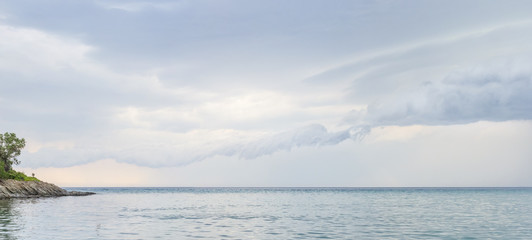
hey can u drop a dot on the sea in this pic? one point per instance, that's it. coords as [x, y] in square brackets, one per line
[273, 213]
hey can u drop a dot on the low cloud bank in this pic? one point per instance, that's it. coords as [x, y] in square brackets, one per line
[309, 136]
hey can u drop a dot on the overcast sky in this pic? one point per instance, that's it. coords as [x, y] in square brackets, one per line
[269, 93]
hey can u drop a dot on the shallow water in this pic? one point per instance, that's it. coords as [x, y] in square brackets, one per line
[273, 213]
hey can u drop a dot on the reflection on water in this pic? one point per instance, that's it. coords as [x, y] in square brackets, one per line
[13, 215]
[8, 217]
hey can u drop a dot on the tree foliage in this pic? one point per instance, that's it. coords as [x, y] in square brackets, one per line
[10, 147]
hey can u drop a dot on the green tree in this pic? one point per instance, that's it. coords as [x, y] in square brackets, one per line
[10, 147]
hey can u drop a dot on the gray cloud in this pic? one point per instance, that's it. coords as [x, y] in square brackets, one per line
[309, 136]
[162, 152]
[495, 91]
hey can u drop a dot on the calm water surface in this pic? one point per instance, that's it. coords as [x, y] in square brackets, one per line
[270, 213]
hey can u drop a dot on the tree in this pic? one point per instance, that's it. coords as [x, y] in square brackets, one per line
[10, 147]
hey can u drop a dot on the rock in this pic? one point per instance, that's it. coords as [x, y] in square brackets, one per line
[76, 193]
[10, 188]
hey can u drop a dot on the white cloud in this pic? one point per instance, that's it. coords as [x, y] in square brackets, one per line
[23, 49]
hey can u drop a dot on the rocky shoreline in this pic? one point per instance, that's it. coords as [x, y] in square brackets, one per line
[10, 188]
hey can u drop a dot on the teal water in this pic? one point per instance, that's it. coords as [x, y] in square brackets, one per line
[273, 213]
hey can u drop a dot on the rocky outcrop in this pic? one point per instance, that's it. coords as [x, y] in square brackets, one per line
[10, 188]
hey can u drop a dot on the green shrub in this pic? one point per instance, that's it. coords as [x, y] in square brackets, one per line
[16, 175]
[12, 174]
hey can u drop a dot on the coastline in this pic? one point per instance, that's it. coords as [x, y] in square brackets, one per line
[10, 188]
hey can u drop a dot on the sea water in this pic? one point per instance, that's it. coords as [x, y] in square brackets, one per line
[273, 213]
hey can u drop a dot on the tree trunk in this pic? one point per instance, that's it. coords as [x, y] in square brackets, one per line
[7, 167]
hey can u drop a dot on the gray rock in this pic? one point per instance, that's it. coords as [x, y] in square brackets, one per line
[10, 188]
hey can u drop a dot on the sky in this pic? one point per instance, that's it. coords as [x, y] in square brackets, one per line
[271, 93]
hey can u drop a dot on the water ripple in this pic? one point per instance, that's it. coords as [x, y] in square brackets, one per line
[175, 213]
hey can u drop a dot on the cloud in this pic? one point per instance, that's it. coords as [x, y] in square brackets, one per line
[133, 118]
[138, 6]
[162, 149]
[309, 136]
[373, 75]
[498, 90]
[25, 48]
[166, 83]
[495, 91]
[251, 147]
[457, 155]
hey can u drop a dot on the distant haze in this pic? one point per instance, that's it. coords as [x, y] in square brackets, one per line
[269, 93]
